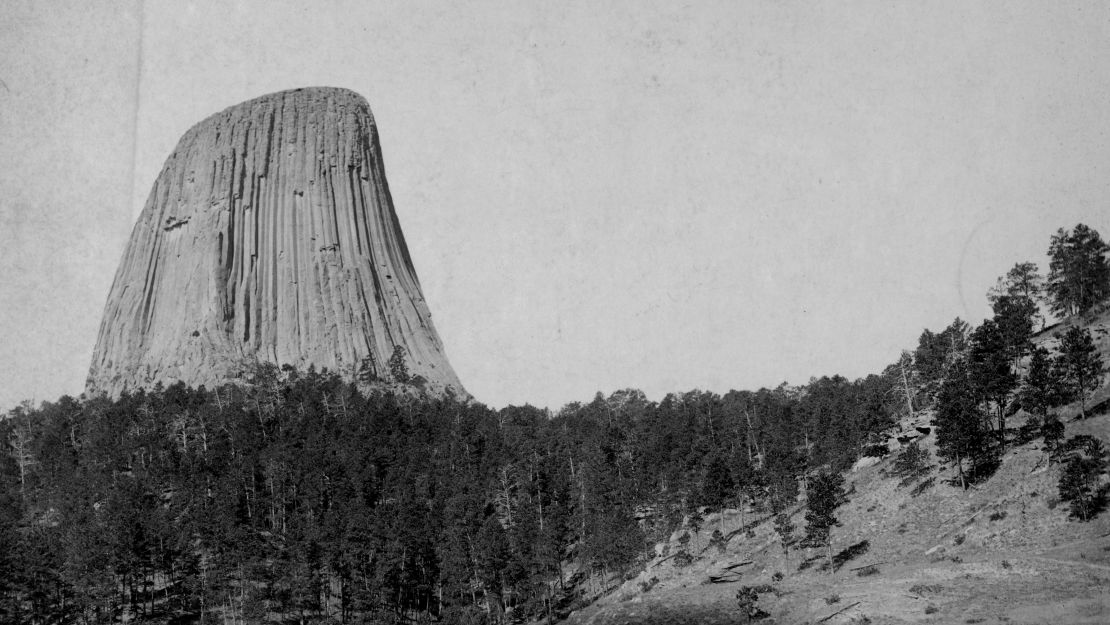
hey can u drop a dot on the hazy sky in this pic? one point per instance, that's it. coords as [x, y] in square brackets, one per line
[596, 195]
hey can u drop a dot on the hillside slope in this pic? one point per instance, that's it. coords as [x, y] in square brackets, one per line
[1003, 551]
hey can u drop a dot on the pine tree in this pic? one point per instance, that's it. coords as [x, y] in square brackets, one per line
[398, 368]
[1079, 365]
[1079, 276]
[823, 496]
[959, 420]
[1080, 480]
[1041, 388]
[1014, 315]
[1052, 431]
[785, 529]
[718, 488]
[990, 372]
[1024, 282]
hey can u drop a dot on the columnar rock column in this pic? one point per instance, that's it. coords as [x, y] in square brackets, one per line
[269, 236]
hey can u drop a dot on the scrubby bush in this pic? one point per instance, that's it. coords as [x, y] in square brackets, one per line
[746, 599]
[868, 571]
[718, 541]
[876, 451]
[911, 464]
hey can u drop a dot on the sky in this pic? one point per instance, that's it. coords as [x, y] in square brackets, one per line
[596, 195]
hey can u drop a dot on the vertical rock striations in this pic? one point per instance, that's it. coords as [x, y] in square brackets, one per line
[269, 236]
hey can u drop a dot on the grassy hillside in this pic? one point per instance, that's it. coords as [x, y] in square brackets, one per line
[1004, 551]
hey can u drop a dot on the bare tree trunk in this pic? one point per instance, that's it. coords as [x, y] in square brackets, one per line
[906, 383]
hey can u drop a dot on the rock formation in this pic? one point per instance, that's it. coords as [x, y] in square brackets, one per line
[269, 236]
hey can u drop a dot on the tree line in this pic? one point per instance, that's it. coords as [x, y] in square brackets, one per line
[297, 497]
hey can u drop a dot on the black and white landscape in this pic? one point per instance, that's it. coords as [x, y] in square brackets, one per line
[759, 312]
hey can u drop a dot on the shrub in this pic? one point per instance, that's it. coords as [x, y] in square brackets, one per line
[1027, 432]
[876, 451]
[1006, 564]
[683, 559]
[959, 540]
[912, 463]
[649, 584]
[718, 541]
[931, 609]
[998, 516]
[777, 577]
[868, 571]
[746, 598]
[921, 589]
[831, 599]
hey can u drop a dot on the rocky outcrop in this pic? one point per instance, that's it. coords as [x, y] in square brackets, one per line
[269, 236]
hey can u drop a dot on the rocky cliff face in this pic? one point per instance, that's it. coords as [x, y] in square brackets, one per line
[269, 236]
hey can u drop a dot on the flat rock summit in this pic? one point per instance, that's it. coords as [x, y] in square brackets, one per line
[269, 236]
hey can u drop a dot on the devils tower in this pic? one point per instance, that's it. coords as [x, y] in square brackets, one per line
[269, 236]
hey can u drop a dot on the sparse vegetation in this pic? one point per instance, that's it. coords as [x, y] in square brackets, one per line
[923, 589]
[931, 609]
[646, 586]
[912, 463]
[831, 599]
[867, 571]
